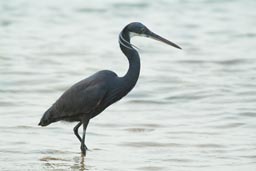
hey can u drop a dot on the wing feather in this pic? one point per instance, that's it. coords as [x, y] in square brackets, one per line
[83, 97]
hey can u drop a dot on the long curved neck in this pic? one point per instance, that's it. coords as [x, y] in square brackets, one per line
[130, 78]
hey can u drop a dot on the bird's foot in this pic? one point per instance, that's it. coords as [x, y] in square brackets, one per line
[83, 149]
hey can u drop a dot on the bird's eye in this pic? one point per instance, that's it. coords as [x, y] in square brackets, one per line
[142, 30]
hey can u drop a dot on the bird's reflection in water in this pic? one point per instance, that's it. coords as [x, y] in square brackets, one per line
[79, 163]
[61, 163]
[82, 164]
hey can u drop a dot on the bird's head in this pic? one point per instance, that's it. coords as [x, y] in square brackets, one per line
[138, 29]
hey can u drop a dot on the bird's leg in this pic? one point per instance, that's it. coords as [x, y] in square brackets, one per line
[83, 146]
[76, 131]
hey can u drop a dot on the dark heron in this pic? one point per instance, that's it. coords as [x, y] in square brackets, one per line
[89, 97]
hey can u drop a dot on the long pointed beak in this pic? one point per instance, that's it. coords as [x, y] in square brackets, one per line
[161, 39]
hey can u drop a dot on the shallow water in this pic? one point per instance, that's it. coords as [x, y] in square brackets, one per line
[191, 110]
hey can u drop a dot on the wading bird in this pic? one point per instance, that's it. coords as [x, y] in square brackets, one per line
[89, 97]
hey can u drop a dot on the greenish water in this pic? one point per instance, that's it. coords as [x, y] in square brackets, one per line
[191, 110]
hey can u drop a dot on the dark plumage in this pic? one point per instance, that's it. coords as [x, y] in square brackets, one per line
[89, 97]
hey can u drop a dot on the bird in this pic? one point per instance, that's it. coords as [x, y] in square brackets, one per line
[90, 96]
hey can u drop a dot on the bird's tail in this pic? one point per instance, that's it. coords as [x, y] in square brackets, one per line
[47, 118]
